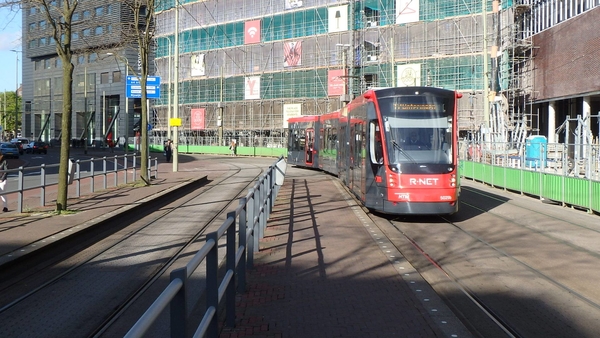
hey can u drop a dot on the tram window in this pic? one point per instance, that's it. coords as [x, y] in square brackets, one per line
[298, 140]
[375, 146]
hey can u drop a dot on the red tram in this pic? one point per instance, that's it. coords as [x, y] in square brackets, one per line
[302, 133]
[396, 149]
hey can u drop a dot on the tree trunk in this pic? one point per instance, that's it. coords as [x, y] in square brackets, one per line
[67, 112]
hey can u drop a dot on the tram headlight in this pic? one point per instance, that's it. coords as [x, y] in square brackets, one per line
[391, 180]
[453, 180]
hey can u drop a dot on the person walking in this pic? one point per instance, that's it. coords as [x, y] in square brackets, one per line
[232, 148]
[168, 150]
[3, 176]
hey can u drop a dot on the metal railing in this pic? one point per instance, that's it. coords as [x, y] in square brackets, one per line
[109, 171]
[242, 141]
[249, 219]
[568, 174]
[575, 160]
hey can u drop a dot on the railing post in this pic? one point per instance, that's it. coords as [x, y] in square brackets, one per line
[78, 177]
[243, 223]
[134, 166]
[149, 169]
[104, 173]
[43, 185]
[259, 211]
[230, 263]
[116, 166]
[92, 173]
[256, 219]
[590, 162]
[155, 168]
[542, 170]
[253, 245]
[270, 193]
[125, 162]
[20, 188]
[263, 203]
[179, 305]
[212, 284]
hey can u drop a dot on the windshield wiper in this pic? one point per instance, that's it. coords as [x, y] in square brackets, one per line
[397, 146]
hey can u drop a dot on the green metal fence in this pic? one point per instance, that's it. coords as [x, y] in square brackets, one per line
[570, 191]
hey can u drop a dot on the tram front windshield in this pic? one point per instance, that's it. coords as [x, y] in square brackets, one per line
[418, 130]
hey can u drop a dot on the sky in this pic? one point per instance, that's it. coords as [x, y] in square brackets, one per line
[10, 38]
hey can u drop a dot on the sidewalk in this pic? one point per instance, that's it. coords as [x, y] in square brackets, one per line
[20, 234]
[321, 273]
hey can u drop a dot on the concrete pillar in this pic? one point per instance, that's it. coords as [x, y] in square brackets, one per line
[586, 112]
[552, 122]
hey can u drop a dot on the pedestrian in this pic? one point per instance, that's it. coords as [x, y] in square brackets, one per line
[168, 150]
[138, 137]
[232, 148]
[122, 142]
[3, 176]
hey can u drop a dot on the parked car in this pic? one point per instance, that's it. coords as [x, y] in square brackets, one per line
[9, 150]
[21, 143]
[37, 147]
[19, 146]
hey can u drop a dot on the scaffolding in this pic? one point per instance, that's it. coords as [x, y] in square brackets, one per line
[373, 43]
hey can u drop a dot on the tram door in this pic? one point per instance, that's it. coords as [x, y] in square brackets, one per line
[309, 146]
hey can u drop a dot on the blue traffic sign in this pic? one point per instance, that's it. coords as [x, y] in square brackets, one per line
[134, 87]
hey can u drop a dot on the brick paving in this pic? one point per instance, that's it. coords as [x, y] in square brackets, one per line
[320, 274]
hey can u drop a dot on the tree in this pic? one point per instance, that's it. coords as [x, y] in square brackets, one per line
[8, 109]
[59, 18]
[140, 32]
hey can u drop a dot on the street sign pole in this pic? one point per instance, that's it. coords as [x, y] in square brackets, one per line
[133, 90]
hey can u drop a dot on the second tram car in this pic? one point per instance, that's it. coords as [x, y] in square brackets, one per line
[302, 133]
[394, 148]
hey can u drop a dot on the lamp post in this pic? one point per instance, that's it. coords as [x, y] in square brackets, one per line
[124, 59]
[3, 117]
[85, 113]
[16, 91]
[176, 90]
[169, 91]
[486, 90]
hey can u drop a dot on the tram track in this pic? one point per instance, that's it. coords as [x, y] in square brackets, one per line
[494, 317]
[564, 220]
[29, 289]
[480, 252]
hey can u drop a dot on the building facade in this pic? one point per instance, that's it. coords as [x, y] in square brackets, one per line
[242, 67]
[246, 66]
[101, 64]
